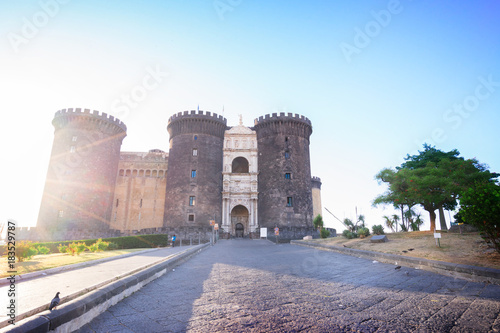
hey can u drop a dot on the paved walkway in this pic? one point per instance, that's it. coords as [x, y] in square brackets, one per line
[36, 293]
[257, 286]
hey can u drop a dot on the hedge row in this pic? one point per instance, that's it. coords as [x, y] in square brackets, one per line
[126, 242]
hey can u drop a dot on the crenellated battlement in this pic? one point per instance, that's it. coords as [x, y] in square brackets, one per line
[200, 114]
[283, 124]
[316, 182]
[282, 116]
[70, 112]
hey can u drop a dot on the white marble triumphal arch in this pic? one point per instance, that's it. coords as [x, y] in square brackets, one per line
[240, 171]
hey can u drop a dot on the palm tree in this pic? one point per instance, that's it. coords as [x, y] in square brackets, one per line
[389, 223]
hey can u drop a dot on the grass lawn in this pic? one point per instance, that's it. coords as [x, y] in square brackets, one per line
[46, 261]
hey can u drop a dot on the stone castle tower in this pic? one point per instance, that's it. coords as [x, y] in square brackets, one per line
[194, 177]
[285, 171]
[243, 178]
[81, 178]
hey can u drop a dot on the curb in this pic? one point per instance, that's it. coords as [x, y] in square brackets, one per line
[467, 272]
[31, 275]
[81, 309]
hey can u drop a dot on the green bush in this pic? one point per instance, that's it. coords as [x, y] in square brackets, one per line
[349, 235]
[324, 233]
[126, 242]
[363, 232]
[42, 250]
[378, 229]
[62, 248]
[25, 250]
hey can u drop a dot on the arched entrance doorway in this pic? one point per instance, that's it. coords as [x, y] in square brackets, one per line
[239, 230]
[239, 221]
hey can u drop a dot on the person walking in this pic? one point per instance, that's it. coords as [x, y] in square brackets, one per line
[173, 240]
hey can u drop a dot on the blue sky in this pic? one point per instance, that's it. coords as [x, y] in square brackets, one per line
[376, 78]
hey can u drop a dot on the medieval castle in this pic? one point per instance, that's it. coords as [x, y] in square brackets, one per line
[243, 178]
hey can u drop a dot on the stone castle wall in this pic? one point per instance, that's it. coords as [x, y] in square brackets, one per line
[93, 190]
[139, 198]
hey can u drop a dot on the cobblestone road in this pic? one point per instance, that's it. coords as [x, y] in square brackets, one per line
[257, 286]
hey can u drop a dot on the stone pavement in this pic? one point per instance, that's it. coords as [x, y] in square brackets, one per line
[257, 286]
[34, 295]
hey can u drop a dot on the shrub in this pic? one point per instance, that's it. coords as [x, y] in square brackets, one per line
[62, 248]
[363, 232]
[42, 250]
[324, 233]
[25, 250]
[349, 235]
[378, 229]
[480, 207]
[93, 247]
[76, 248]
[102, 245]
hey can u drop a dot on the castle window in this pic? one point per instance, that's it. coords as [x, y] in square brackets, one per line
[60, 213]
[195, 151]
[286, 139]
[192, 201]
[148, 173]
[288, 175]
[289, 202]
[140, 204]
[121, 172]
[134, 173]
[287, 155]
[72, 149]
[74, 139]
[193, 173]
[141, 173]
[195, 137]
[240, 165]
[191, 217]
[155, 172]
[117, 202]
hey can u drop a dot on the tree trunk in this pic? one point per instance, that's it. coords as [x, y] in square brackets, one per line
[442, 219]
[402, 215]
[432, 216]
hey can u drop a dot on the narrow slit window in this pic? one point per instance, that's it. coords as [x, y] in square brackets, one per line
[288, 175]
[289, 201]
[193, 173]
[192, 201]
[117, 202]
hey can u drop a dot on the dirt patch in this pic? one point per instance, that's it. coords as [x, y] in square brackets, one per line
[466, 248]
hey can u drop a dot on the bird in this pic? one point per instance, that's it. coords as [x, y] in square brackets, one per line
[54, 302]
[411, 249]
[398, 267]
[404, 251]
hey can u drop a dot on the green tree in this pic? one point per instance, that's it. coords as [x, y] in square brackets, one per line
[433, 179]
[318, 222]
[480, 207]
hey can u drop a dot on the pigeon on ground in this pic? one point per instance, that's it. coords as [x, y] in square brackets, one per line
[404, 251]
[411, 249]
[398, 267]
[54, 302]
